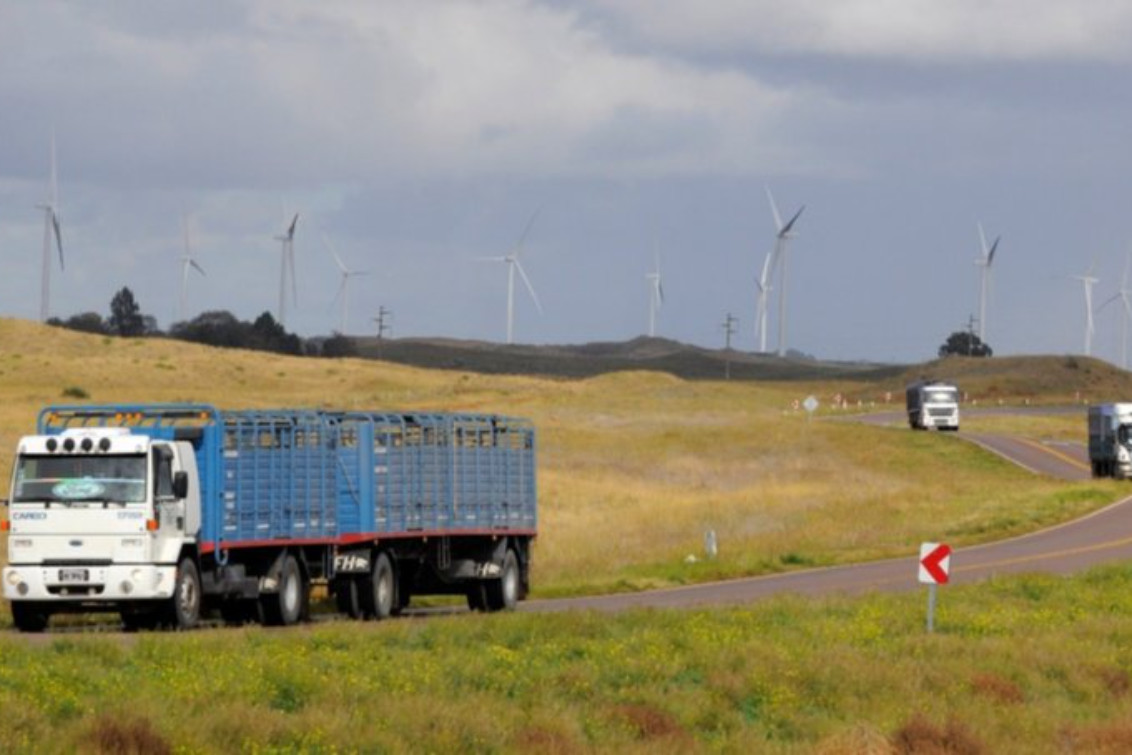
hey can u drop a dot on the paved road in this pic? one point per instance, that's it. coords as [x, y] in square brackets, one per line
[1104, 536]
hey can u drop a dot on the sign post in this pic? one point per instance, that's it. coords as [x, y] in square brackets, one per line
[810, 405]
[935, 567]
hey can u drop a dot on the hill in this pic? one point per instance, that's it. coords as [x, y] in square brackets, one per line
[591, 359]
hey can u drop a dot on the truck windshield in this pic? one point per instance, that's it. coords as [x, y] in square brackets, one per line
[65, 479]
[940, 397]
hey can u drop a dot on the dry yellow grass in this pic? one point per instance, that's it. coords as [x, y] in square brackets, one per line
[634, 467]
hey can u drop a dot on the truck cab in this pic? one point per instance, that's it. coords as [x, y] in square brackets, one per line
[1110, 440]
[97, 517]
[933, 404]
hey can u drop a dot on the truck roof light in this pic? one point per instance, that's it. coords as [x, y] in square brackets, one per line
[104, 444]
[69, 445]
[151, 525]
[5, 526]
[52, 444]
[87, 444]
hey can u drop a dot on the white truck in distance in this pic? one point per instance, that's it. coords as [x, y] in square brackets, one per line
[933, 404]
[1110, 440]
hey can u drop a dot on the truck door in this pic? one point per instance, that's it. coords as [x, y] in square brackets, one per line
[169, 511]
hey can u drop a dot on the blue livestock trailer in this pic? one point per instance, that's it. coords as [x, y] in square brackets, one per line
[162, 512]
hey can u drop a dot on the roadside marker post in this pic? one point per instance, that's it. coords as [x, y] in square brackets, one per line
[935, 568]
[810, 405]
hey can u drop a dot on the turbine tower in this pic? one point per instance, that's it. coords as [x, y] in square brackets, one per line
[784, 232]
[984, 279]
[50, 229]
[1089, 281]
[1125, 297]
[763, 283]
[344, 286]
[656, 294]
[187, 263]
[513, 264]
[287, 269]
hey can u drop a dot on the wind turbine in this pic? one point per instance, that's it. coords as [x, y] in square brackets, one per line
[287, 269]
[50, 228]
[187, 263]
[1089, 281]
[984, 279]
[1125, 297]
[513, 265]
[343, 287]
[656, 294]
[763, 283]
[784, 232]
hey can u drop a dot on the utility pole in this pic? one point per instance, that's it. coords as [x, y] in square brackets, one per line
[730, 327]
[383, 326]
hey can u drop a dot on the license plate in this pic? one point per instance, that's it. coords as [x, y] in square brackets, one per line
[74, 575]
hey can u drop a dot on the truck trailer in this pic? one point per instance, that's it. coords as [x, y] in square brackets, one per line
[933, 403]
[1110, 440]
[166, 512]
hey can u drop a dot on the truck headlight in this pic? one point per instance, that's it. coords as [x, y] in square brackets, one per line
[13, 578]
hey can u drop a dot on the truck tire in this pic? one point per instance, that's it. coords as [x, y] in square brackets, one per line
[347, 596]
[503, 594]
[477, 600]
[185, 605]
[29, 617]
[288, 605]
[380, 589]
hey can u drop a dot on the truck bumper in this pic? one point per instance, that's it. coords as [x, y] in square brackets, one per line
[89, 584]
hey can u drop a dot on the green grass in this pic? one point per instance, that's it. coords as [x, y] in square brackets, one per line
[1019, 664]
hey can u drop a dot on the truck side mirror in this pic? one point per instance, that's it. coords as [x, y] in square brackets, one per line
[180, 484]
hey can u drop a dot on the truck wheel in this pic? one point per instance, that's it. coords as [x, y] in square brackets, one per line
[347, 595]
[381, 595]
[503, 593]
[184, 606]
[288, 605]
[477, 601]
[28, 617]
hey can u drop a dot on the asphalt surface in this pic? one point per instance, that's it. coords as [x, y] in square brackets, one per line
[1102, 537]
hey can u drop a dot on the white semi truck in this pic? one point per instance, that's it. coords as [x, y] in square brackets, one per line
[933, 403]
[1110, 440]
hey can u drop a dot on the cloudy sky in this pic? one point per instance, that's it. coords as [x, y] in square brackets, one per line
[415, 137]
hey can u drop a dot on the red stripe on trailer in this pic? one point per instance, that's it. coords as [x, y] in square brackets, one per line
[360, 537]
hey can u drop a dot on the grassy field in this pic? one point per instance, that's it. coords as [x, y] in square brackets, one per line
[1026, 664]
[634, 468]
[649, 461]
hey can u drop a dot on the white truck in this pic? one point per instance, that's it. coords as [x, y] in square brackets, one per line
[165, 512]
[1110, 440]
[933, 403]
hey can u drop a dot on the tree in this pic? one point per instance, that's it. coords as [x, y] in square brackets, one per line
[966, 344]
[339, 345]
[87, 322]
[126, 318]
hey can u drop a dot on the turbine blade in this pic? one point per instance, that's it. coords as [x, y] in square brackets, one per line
[291, 229]
[982, 240]
[58, 237]
[660, 290]
[530, 288]
[527, 230]
[786, 229]
[774, 211]
[197, 267]
[993, 249]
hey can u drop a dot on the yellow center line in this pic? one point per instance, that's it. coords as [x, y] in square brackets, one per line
[1042, 556]
[1053, 452]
